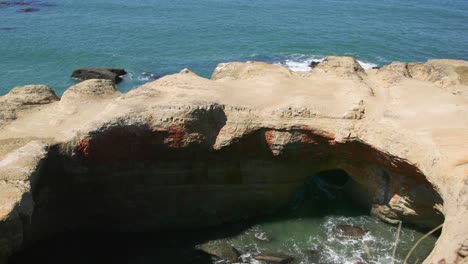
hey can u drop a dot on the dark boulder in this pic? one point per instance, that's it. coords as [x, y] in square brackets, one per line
[350, 231]
[313, 256]
[275, 258]
[313, 64]
[221, 250]
[99, 73]
[376, 68]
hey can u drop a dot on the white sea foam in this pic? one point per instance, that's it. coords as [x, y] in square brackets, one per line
[300, 63]
[367, 65]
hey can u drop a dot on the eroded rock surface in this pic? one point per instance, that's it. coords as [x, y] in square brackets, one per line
[185, 151]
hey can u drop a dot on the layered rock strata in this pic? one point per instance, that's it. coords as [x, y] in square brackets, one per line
[185, 151]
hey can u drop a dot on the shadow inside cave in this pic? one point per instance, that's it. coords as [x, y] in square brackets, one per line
[322, 196]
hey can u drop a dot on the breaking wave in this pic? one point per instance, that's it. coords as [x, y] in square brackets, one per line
[301, 63]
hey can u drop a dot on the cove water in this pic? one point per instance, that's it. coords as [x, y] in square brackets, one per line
[306, 231]
[154, 37]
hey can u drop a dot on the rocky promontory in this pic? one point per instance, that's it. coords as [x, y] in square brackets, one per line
[186, 151]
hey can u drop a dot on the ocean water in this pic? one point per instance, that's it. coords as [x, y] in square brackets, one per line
[155, 37]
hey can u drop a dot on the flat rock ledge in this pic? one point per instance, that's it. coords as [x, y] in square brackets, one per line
[186, 151]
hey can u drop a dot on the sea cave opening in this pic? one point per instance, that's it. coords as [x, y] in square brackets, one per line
[323, 223]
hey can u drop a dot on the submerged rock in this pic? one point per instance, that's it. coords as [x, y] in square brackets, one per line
[313, 255]
[99, 73]
[275, 258]
[262, 236]
[223, 251]
[350, 231]
[28, 10]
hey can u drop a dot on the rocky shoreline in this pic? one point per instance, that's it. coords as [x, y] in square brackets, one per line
[185, 151]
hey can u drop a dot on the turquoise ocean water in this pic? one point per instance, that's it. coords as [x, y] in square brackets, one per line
[164, 36]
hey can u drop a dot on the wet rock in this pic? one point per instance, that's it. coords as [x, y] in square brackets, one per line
[221, 250]
[350, 231]
[262, 236]
[375, 67]
[275, 258]
[28, 10]
[313, 64]
[99, 73]
[313, 255]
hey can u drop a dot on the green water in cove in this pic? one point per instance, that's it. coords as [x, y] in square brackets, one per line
[306, 231]
[154, 37]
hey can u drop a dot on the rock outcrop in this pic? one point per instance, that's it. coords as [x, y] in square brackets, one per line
[185, 151]
[24, 98]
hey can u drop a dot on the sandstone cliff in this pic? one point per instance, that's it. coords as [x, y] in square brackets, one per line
[185, 151]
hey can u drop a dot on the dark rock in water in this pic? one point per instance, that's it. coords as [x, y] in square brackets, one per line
[28, 10]
[313, 256]
[275, 258]
[262, 236]
[119, 72]
[99, 73]
[222, 251]
[7, 28]
[350, 231]
[375, 67]
[312, 252]
[313, 64]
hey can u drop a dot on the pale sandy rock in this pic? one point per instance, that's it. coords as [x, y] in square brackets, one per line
[341, 67]
[240, 70]
[30, 95]
[93, 89]
[23, 98]
[19, 173]
[254, 129]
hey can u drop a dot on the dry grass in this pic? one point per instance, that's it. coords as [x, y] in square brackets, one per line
[419, 241]
[397, 240]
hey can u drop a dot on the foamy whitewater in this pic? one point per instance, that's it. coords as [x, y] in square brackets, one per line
[314, 240]
[308, 232]
[301, 63]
